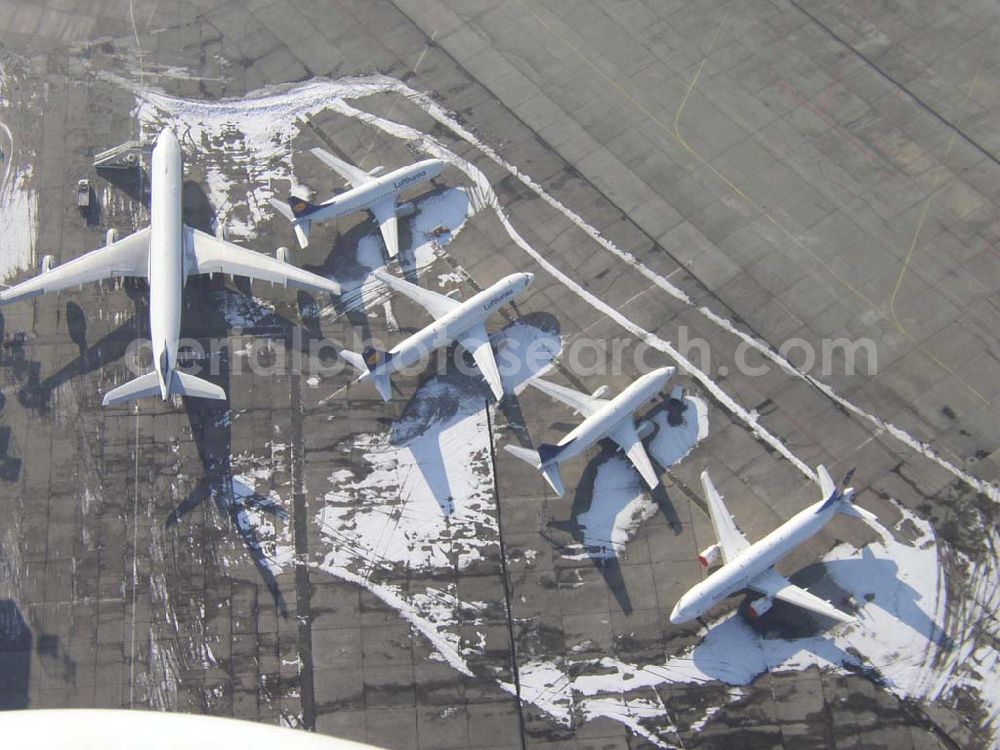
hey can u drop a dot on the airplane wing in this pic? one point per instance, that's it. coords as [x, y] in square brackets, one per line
[628, 440]
[438, 305]
[775, 585]
[477, 342]
[128, 256]
[730, 538]
[355, 176]
[581, 403]
[208, 254]
[385, 214]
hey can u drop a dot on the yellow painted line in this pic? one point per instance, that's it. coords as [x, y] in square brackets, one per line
[675, 132]
[916, 235]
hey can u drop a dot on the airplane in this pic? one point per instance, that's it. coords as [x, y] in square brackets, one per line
[464, 322]
[368, 191]
[602, 418]
[750, 566]
[165, 253]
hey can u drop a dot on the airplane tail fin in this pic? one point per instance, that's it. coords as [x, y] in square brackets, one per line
[140, 387]
[533, 458]
[842, 496]
[300, 207]
[831, 492]
[185, 384]
[296, 213]
[548, 453]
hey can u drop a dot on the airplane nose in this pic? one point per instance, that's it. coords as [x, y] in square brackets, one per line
[528, 278]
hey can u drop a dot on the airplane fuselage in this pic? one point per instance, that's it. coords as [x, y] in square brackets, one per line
[166, 256]
[739, 573]
[391, 184]
[623, 406]
[448, 328]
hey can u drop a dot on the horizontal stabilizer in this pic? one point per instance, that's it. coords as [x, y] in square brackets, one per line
[551, 473]
[849, 509]
[525, 454]
[301, 228]
[354, 359]
[282, 208]
[185, 384]
[140, 387]
[382, 384]
[366, 364]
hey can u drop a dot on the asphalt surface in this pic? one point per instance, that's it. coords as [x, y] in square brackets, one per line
[805, 171]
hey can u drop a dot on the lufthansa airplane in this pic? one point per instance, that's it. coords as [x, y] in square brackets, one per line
[464, 322]
[603, 418]
[368, 191]
[750, 566]
[165, 253]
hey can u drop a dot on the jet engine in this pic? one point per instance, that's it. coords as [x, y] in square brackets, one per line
[111, 237]
[710, 556]
[405, 209]
[283, 255]
[760, 607]
[48, 263]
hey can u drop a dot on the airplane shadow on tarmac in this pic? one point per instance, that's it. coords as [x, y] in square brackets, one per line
[15, 652]
[597, 542]
[787, 630]
[443, 399]
[880, 575]
[210, 429]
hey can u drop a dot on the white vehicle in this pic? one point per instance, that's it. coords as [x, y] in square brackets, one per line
[603, 418]
[750, 566]
[165, 253]
[368, 191]
[464, 322]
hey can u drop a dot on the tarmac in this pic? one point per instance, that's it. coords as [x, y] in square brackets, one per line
[807, 172]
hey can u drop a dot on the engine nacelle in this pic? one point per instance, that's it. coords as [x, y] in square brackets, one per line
[111, 237]
[760, 607]
[405, 209]
[710, 556]
[48, 263]
[283, 254]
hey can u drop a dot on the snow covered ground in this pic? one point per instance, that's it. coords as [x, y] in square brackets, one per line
[620, 500]
[18, 200]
